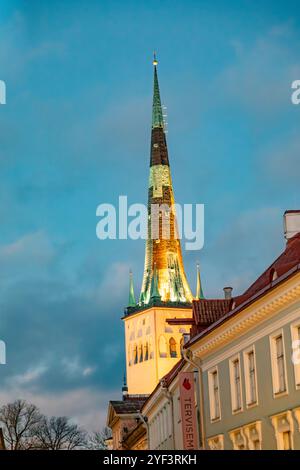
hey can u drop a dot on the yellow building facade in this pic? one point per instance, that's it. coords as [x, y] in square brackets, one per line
[153, 346]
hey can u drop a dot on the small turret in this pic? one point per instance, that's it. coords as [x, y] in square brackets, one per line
[131, 300]
[199, 291]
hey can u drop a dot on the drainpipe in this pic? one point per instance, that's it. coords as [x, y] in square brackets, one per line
[145, 421]
[188, 356]
[168, 396]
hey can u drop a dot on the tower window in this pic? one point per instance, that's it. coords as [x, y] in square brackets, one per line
[146, 352]
[135, 354]
[140, 353]
[172, 347]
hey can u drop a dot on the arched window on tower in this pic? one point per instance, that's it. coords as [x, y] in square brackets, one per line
[146, 352]
[181, 346]
[135, 354]
[172, 347]
[130, 355]
[163, 350]
[140, 352]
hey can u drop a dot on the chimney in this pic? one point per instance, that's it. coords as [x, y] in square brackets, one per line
[227, 292]
[291, 223]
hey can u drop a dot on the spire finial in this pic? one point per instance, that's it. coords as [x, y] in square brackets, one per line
[155, 62]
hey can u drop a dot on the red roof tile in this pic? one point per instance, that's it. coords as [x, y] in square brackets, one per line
[207, 311]
[284, 263]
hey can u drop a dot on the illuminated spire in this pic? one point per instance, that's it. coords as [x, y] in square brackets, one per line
[157, 115]
[164, 277]
[131, 300]
[199, 291]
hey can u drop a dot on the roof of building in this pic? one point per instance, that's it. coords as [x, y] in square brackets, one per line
[129, 405]
[286, 265]
[208, 311]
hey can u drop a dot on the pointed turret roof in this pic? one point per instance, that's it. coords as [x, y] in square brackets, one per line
[131, 300]
[199, 290]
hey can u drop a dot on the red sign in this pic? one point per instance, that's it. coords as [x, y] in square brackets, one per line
[188, 411]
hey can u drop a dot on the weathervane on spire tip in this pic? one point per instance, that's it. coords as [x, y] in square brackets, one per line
[155, 62]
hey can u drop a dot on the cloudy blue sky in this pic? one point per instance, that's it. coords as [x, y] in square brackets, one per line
[75, 133]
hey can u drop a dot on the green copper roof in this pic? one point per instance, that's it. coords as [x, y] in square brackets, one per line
[199, 291]
[131, 300]
[157, 115]
[154, 293]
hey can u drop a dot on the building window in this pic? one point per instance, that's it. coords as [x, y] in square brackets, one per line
[141, 352]
[254, 436]
[235, 384]
[283, 425]
[214, 395]
[250, 377]
[135, 354]
[278, 364]
[216, 442]
[238, 439]
[129, 355]
[146, 352]
[295, 334]
[172, 347]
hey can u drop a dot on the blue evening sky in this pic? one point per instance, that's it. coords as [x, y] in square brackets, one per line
[75, 132]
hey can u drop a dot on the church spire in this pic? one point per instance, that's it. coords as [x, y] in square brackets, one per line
[131, 300]
[163, 259]
[157, 115]
[199, 291]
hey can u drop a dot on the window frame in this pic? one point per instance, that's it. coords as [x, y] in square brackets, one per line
[234, 409]
[211, 391]
[295, 328]
[277, 393]
[287, 416]
[246, 353]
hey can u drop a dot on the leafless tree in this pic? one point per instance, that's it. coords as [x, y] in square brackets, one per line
[19, 421]
[58, 433]
[97, 440]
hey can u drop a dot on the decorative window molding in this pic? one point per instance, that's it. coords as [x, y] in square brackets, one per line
[238, 439]
[297, 416]
[216, 442]
[283, 425]
[250, 373]
[254, 435]
[295, 335]
[278, 363]
[214, 395]
[236, 384]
